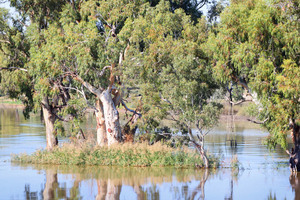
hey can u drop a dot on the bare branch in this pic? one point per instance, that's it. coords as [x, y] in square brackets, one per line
[87, 85]
[77, 90]
[13, 68]
[66, 119]
[258, 122]
[237, 103]
[22, 23]
[5, 41]
[166, 100]
[103, 70]
[130, 110]
[84, 96]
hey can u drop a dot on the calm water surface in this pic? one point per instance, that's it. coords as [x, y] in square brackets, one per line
[262, 175]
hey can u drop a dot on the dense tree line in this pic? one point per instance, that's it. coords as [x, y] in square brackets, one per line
[163, 58]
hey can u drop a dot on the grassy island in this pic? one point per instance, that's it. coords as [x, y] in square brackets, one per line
[140, 155]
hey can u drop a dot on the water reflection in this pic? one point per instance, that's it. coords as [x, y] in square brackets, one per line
[30, 195]
[295, 183]
[263, 172]
[120, 183]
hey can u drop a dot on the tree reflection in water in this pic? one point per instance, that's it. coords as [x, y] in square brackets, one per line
[295, 183]
[30, 195]
[108, 183]
[201, 185]
[55, 190]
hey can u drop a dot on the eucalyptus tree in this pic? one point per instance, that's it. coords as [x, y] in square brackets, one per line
[22, 75]
[257, 45]
[77, 48]
[167, 64]
[190, 7]
[84, 50]
[14, 55]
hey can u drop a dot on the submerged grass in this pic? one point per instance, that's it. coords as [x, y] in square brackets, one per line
[139, 154]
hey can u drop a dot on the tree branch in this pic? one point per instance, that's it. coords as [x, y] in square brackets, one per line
[130, 110]
[5, 41]
[87, 85]
[258, 122]
[103, 70]
[237, 103]
[13, 68]
[84, 96]
[166, 100]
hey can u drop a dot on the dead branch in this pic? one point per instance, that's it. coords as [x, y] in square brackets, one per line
[258, 122]
[13, 68]
[103, 70]
[236, 103]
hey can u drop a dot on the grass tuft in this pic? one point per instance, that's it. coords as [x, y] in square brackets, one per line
[139, 154]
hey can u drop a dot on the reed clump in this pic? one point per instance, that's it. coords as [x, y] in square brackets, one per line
[139, 154]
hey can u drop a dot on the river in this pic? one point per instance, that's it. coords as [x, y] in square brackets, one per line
[261, 175]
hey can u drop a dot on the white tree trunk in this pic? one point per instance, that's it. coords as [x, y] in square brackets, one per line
[111, 116]
[101, 130]
[49, 120]
[51, 185]
[113, 190]
[102, 189]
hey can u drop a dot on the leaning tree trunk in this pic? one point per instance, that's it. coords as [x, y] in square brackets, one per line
[111, 116]
[101, 130]
[199, 148]
[49, 120]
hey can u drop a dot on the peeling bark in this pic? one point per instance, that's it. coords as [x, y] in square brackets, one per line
[111, 116]
[110, 112]
[101, 130]
[49, 120]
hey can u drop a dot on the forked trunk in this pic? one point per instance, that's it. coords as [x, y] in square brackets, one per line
[101, 130]
[49, 120]
[111, 116]
[110, 113]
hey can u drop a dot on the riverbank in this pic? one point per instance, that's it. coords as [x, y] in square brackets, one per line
[137, 155]
[6, 102]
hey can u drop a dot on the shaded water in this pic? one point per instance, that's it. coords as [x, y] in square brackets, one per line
[262, 175]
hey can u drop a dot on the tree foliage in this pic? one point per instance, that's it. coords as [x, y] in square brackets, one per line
[257, 45]
[167, 63]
